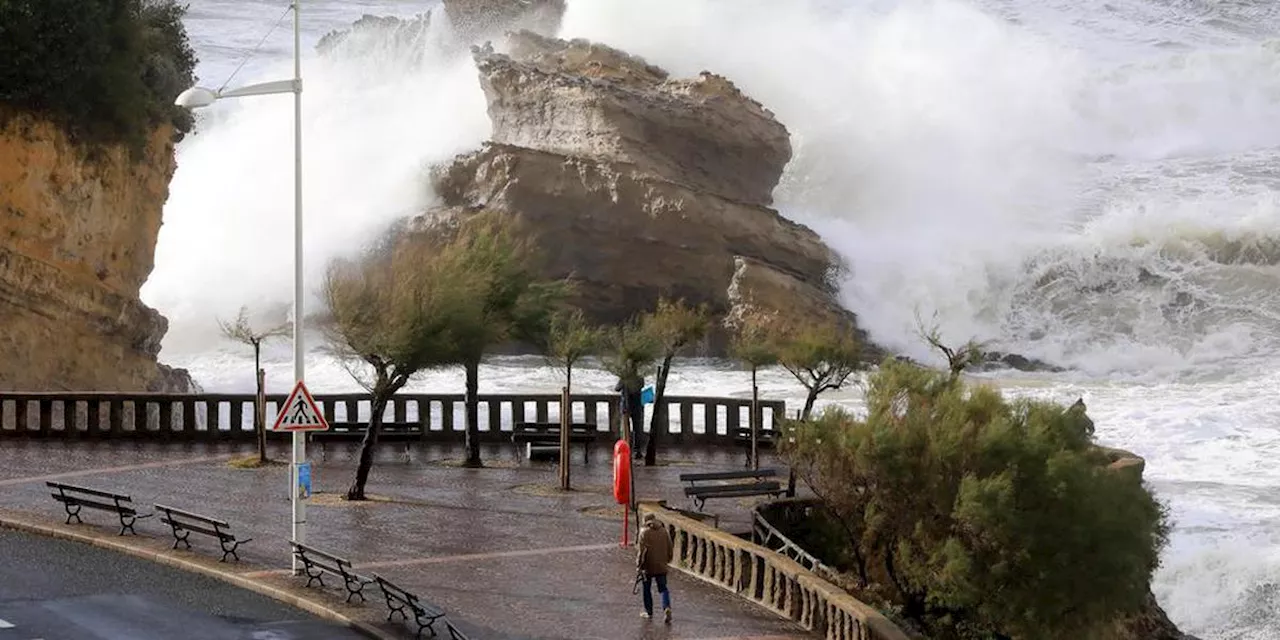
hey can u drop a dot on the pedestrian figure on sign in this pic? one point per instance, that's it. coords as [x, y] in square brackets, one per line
[653, 554]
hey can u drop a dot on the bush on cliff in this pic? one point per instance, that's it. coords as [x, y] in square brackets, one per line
[106, 70]
[981, 517]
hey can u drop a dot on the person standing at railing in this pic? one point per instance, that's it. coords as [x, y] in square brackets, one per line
[653, 554]
[631, 388]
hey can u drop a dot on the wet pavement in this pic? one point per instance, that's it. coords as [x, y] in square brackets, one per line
[53, 589]
[500, 549]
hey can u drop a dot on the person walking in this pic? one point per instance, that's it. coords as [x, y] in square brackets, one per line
[653, 554]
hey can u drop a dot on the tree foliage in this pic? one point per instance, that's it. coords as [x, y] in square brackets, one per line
[628, 351]
[508, 298]
[396, 311]
[968, 355]
[820, 356]
[570, 338]
[108, 71]
[980, 516]
[243, 330]
[751, 344]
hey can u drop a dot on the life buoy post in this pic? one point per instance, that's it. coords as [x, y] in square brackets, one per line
[622, 483]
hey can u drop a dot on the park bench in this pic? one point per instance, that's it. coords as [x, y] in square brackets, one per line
[406, 432]
[742, 438]
[759, 487]
[316, 563]
[424, 614]
[184, 523]
[74, 498]
[544, 437]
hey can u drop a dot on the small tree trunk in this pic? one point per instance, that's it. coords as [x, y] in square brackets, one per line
[808, 402]
[658, 421]
[260, 416]
[755, 421]
[381, 393]
[473, 418]
[566, 419]
[259, 403]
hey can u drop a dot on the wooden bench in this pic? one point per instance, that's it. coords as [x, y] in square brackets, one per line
[764, 439]
[406, 432]
[702, 492]
[424, 614]
[546, 435]
[184, 523]
[316, 563]
[74, 498]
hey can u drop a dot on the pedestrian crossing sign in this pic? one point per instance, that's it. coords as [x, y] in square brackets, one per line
[300, 413]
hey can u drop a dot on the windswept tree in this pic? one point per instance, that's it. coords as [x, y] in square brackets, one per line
[820, 356]
[675, 327]
[394, 312]
[569, 339]
[628, 351]
[243, 330]
[958, 359]
[752, 344]
[508, 300]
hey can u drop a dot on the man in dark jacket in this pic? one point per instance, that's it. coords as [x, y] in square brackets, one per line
[653, 554]
[632, 390]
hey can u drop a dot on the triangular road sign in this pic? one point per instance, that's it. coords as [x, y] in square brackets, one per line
[300, 413]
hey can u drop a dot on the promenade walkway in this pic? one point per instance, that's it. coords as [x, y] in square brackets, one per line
[499, 548]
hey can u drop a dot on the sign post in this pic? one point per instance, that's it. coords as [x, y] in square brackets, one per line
[298, 415]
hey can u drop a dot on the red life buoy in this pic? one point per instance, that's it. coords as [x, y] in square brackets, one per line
[622, 472]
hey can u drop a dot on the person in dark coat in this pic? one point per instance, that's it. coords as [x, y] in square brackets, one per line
[653, 554]
[632, 387]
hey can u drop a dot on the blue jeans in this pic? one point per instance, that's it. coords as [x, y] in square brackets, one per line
[662, 589]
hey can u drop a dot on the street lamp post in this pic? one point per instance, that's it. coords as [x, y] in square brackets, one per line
[197, 97]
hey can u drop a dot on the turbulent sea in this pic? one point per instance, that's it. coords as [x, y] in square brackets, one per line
[1093, 183]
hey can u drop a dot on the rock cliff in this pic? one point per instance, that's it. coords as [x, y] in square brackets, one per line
[79, 241]
[637, 184]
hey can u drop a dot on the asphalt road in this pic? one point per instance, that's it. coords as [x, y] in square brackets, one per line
[59, 590]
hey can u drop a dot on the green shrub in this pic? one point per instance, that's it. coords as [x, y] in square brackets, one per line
[982, 517]
[107, 71]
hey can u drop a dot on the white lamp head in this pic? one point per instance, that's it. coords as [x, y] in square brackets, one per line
[196, 97]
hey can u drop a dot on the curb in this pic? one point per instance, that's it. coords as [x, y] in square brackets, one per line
[163, 558]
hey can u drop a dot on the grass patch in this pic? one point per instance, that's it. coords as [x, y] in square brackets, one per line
[604, 512]
[553, 490]
[457, 463]
[252, 462]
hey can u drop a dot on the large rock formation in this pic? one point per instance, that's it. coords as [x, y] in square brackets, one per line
[637, 184]
[79, 241]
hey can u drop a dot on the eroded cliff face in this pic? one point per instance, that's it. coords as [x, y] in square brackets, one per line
[78, 238]
[637, 184]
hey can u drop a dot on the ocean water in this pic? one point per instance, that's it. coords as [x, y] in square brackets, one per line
[1092, 183]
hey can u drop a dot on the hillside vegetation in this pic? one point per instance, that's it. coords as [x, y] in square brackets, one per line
[107, 71]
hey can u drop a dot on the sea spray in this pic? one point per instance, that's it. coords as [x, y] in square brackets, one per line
[966, 166]
[373, 125]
